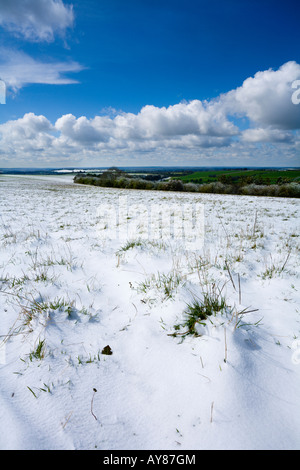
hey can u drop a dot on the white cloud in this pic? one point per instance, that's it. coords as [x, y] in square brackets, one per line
[27, 134]
[192, 118]
[267, 135]
[83, 130]
[266, 98]
[184, 124]
[18, 69]
[36, 20]
[189, 128]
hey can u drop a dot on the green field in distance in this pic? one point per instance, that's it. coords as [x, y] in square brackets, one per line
[263, 176]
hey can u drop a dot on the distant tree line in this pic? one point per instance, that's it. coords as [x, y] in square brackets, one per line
[226, 184]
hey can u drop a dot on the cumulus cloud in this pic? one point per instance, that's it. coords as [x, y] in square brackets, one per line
[193, 118]
[29, 133]
[266, 98]
[195, 127]
[184, 124]
[36, 20]
[18, 69]
[267, 135]
[84, 131]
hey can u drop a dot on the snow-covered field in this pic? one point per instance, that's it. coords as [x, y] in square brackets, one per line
[69, 289]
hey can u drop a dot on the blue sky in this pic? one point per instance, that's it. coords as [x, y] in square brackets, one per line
[149, 82]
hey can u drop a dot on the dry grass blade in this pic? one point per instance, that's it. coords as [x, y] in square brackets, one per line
[286, 260]
[94, 390]
[254, 225]
[228, 270]
[211, 411]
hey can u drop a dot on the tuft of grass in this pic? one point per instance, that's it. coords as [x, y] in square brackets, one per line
[198, 311]
[18, 282]
[273, 269]
[130, 244]
[166, 283]
[39, 352]
[195, 314]
[90, 359]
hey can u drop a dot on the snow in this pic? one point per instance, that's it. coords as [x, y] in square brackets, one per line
[72, 288]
